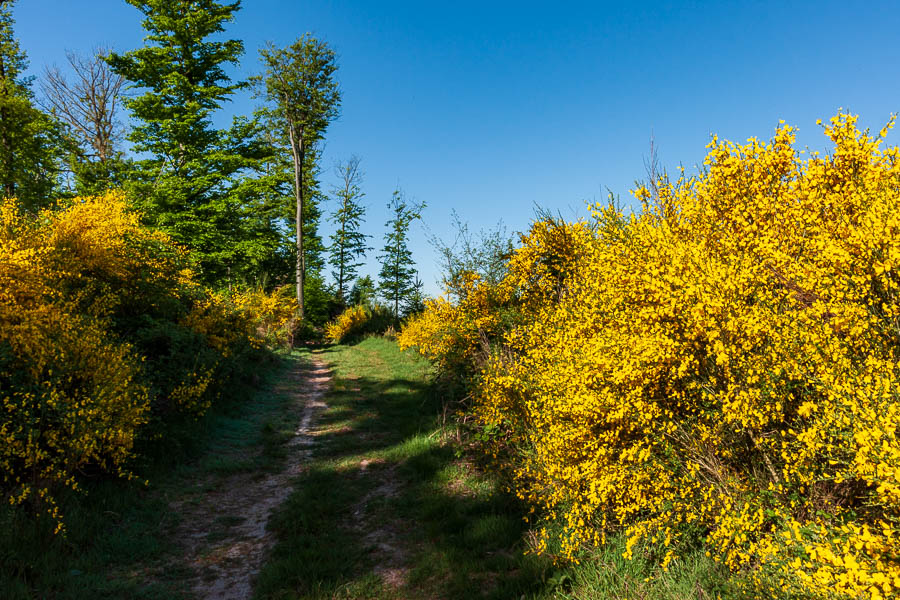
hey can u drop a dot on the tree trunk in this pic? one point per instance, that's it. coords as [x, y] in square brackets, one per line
[297, 151]
[343, 244]
[397, 283]
[9, 188]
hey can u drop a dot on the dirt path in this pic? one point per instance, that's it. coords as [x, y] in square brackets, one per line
[223, 530]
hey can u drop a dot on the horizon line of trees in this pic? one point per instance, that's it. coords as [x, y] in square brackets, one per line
[245, 199]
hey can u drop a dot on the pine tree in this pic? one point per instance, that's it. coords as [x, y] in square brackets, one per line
[363, 292]
[183, 187]
[348, 243]
[397, 275]
[31, 146]
[414, 302]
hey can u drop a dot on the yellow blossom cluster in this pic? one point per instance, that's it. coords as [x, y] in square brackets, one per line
[99, 339]
[459, 332]
[357, 321]
[271, 316]
[451, 334]
[723, 365]
[352, 318]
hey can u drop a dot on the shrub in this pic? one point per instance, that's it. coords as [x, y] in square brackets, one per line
[271, 317]
[723, 365]
[358, 321]
[105, 337]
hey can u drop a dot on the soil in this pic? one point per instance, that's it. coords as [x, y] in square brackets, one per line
[223, 530]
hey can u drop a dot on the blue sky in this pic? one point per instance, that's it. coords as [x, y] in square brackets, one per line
[491, 108]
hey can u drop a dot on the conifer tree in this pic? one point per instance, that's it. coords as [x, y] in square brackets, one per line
[183, 187]
[363, 292]
[414, 302]
[348, 243]
[397, 278]
[30, 141]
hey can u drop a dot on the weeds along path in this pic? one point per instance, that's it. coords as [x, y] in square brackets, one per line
[223, 524]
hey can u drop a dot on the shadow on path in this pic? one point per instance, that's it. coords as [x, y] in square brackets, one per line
[386, 508]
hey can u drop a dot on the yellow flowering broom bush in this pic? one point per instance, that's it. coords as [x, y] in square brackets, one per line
[458, 331]
[357, 321]
[271, 316]
[722, 366]
[103, 331]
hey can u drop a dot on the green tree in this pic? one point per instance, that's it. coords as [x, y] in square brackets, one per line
[30, 141]
[397, 278]
[363, 292]
[303, 98]
[257, 196]
[414, 302]
[348, 243]
[184, 186]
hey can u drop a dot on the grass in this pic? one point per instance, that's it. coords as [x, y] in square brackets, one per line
[118, 541]
[388, 506]
[388, 492]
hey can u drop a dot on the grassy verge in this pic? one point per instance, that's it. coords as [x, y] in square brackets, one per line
[118, 541]
[387, 507]
[390, 507]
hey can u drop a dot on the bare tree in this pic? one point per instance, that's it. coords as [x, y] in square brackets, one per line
[89, 103]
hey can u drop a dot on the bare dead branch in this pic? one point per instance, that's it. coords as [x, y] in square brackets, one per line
[88, 104]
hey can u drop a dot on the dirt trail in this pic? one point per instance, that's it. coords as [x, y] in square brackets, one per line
[223, 532]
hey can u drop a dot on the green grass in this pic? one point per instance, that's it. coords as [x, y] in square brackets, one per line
[460, 535]
[386, 490]
[118, 541]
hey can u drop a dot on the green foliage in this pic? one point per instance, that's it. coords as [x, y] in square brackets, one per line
[363, 292]
[299, 84]
[303, 97]
[30, 141]
[348, 243]
[397, 278]
[320, 302]
[187, 185]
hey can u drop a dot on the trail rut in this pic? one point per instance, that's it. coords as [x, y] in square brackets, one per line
[223, 531]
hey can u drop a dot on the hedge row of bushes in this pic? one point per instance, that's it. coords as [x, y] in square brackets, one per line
[720, 368]
[106, 338]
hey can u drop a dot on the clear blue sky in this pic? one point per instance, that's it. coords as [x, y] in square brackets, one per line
[489, 108]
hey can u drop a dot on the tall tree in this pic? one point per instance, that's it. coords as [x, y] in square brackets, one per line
[183, 186]
[304, 98]
[88, 105]
[397, 278]
[30, 149]
[348, 243]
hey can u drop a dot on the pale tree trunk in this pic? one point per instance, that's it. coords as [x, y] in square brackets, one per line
[343, 243]
[297, 151]
[9, 189]
[397, 283]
